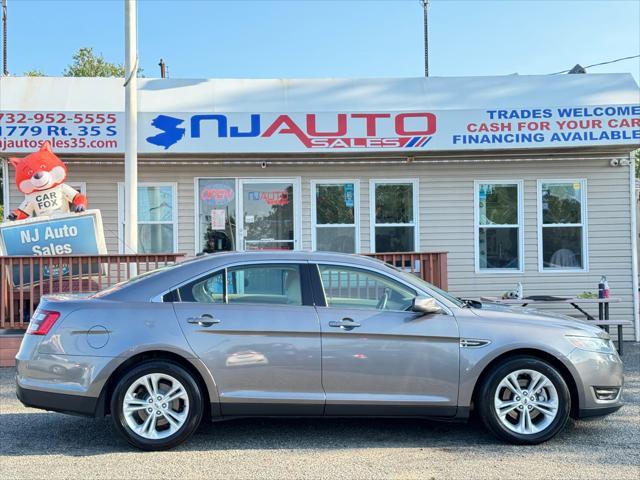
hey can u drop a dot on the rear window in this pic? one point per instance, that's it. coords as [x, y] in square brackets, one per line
[133, 280]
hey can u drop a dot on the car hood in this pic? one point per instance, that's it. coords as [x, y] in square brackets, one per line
[529, 316]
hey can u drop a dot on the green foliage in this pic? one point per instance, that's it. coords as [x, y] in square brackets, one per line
[561, 203]
[500, 205]
[394, 203]
[88, 64]
[332, 207]
[35, 73]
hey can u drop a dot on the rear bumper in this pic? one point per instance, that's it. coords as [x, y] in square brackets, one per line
[57, 402]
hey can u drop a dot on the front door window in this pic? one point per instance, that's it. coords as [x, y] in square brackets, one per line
[268, 215]
[346, 287]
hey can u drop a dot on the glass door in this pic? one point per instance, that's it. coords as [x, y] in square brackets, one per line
[268, 215]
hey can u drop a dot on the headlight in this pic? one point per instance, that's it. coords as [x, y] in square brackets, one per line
[592, 344]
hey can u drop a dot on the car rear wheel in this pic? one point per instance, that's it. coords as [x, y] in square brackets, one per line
[524, 400]
[157, 405]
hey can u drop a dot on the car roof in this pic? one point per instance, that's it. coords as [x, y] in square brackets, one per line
[302, 255]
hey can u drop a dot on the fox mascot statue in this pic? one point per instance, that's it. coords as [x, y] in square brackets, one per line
[40, 176]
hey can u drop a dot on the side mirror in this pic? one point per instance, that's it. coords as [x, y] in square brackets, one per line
[426, 305]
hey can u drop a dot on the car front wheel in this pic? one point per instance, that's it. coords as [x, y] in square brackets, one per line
[157, 405]
[524, 401]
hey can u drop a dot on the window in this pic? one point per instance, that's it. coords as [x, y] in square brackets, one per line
[157, 224]
[335, 214]
[562, 225]
[79, 186]
[209, 289]
[216, 200]
[271, 284]
[346, 287]
[394, 224]
[498, 213]
[270, 215]
[263, 284]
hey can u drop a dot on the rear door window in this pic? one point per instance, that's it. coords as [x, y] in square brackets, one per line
[270, 284]
[275, 284]
[208, 289]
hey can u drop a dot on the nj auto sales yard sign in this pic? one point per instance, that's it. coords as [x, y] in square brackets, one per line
[417, 131]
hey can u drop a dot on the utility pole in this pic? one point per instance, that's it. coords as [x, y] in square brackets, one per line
[5, 67]
[131, 129]
[425, 6]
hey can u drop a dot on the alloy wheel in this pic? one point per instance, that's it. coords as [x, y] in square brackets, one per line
[155, 406]
[526, 402]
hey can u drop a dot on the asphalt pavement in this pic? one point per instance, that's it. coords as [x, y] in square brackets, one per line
[36, 444]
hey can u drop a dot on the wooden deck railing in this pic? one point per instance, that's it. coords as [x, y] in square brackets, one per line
[23, 280]
[429, 266]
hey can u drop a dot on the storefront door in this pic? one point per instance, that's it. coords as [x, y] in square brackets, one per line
[269, 215]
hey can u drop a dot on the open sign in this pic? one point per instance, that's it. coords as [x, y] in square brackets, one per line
[216, 194]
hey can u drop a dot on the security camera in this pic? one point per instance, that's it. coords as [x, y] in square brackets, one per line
[263, 165]
[615, 162]
[625, 162]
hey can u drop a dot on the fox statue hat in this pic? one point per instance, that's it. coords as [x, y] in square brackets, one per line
[40, 176]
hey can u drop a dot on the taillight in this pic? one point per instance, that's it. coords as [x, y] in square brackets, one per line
[42, 321]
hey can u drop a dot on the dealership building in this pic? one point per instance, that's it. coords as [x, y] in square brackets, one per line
[519, 178]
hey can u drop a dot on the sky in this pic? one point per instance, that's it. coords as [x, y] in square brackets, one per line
[330, 38]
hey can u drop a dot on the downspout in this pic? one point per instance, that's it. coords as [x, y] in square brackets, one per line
[634, 246]
[6, 199]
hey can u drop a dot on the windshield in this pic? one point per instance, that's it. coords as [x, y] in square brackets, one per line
[412, 278]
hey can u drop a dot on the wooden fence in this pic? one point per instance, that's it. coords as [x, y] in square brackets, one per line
[23, 280]
[429, 266]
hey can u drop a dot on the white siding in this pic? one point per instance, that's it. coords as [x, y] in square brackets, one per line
[446, 214]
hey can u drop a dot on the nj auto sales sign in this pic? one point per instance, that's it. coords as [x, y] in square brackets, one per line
[439, 130]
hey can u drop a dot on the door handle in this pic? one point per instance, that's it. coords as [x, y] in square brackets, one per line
[345, 324]
[204, 320]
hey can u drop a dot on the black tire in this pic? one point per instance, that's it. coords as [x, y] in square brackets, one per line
[194, 413]
[487, 409]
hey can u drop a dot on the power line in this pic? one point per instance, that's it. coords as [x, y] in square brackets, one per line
[601, 63]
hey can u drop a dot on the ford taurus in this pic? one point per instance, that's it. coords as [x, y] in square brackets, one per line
[308, 334]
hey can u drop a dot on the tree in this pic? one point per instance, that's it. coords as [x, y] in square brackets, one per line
[35, 73]
[88, 64]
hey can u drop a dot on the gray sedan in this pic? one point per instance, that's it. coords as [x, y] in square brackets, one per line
[308, 334]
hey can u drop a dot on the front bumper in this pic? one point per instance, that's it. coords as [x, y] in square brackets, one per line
[57, 402]
[599, 412]
[597, 370]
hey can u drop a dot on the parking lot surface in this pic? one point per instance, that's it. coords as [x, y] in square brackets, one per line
[38, 444]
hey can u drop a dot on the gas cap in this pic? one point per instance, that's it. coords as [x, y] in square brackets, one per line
[97, 336]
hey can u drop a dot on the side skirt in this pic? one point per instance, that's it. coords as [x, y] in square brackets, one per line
[445, 414]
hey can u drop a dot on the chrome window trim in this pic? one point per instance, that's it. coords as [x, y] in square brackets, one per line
[448, 309]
